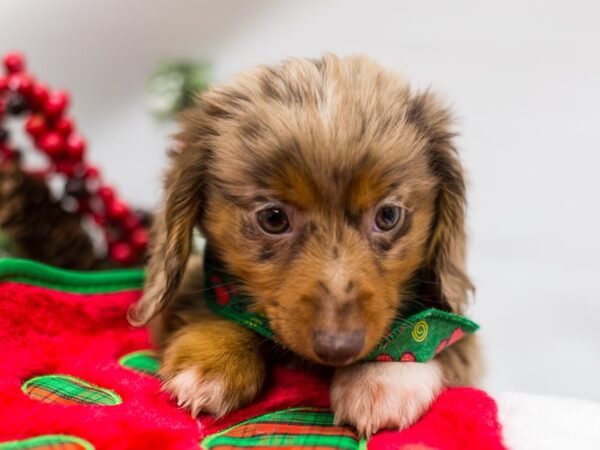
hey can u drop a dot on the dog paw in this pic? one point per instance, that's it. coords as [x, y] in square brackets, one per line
[390, 395]
[199, 393]
[212, 378]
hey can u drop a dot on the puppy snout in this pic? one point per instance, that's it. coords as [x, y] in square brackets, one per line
[338, 348]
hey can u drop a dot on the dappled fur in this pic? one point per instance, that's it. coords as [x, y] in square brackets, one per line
[330, 139]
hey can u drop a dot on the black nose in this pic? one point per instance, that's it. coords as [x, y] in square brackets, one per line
[338, 348]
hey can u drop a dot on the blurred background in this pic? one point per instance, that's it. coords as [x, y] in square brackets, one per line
[523, 77]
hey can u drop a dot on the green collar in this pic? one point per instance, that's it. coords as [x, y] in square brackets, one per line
[417, 338]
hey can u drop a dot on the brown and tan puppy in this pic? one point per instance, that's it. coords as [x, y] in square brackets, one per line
[334, 194]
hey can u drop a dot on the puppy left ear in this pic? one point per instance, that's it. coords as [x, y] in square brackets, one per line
[185, 189]
[447, 244]
[172, 232]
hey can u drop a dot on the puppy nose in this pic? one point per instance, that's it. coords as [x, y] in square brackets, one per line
[338, 348]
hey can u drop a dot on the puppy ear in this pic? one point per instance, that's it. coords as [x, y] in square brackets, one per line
[172, 231]
[447, 244]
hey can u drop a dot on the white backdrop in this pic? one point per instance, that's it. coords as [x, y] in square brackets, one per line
[524, 77]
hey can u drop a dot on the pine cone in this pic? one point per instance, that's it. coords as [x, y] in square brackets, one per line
[37, 225]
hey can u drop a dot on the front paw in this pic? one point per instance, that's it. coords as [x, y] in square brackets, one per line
[198, 392]
[378, 395]
[207, 378]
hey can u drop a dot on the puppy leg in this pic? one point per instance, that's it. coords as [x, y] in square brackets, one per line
[373, 396]
[212, 365]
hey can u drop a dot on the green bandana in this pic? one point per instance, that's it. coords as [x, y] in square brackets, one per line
[417, 338]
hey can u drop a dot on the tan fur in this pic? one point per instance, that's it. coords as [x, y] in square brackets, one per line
[329, 140]
[216, 351]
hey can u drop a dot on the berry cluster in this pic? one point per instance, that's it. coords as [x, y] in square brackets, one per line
[55, 135]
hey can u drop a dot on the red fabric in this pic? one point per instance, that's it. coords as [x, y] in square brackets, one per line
[460, 419]
[44, 331]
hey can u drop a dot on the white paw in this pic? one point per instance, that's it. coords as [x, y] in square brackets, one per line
[378, 395]
[197, 393]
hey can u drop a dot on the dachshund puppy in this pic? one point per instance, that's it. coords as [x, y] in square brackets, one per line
[336, 196]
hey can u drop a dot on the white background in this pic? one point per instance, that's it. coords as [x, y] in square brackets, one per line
[523, 76]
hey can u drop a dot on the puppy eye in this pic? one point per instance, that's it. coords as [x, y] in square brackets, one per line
[273, 220]
[387, 217]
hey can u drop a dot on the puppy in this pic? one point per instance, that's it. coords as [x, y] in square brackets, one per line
[336, 196]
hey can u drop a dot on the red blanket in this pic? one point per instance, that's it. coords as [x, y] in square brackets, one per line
[75, 375]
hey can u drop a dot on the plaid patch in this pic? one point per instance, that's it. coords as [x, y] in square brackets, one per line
[68, 390]
[290, 428]
[48, 442]
[144, 361]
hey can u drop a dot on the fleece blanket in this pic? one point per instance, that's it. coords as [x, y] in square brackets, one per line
[75, 375]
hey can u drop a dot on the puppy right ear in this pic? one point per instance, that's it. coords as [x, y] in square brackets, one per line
[171, 235]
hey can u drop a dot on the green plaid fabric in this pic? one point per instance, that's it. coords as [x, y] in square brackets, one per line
[48, 442]
[289, 428]
[144, 361]
[68, 390]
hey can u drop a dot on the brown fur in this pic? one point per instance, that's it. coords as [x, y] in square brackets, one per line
[330, 139]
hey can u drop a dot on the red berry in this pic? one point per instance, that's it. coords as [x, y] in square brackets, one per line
[92, 172]
[53, 144]
[131, 223]
[3, 84]
[56, 104]
[64, 126]
[7, 153]
[36, 126]
[99, 218]
[75, 147]
[107, 194]
[121, 252]
[21, 83]
[14, 62]
[117, 210]
[65, 167]
[139, 239]
[39, 94]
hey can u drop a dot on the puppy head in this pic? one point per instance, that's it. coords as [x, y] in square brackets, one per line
[328, 189]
